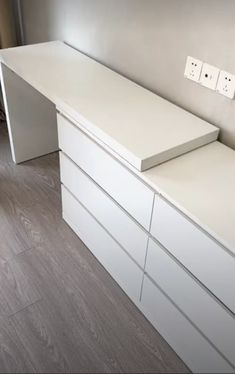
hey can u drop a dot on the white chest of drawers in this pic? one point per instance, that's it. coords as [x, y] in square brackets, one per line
[123, 221]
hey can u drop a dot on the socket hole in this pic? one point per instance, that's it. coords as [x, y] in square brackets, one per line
[226, 78]
[206, 75]
[229, 80]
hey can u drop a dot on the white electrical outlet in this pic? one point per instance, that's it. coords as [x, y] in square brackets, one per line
[193, 69]
[209, 76]
[226, 84]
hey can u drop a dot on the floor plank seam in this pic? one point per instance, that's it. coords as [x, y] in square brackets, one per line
[16, 255]
[24, 308]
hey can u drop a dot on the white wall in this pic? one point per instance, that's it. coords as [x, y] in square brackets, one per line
[148, 41]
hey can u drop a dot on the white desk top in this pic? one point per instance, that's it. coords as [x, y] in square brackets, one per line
[202, 185]
[141, 127]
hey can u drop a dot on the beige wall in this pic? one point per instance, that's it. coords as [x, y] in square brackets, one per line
[148, 41]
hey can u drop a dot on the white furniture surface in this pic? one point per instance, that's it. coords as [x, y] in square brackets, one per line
[189, 269]
[166, 235]
[188, 275]
[110, 215]
[108, 105]
[201, 184]
[186, 340]
[194, 248]
[107, 172]
[108, 252]
[217, 323]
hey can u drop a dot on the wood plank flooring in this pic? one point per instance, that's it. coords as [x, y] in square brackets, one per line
[60, 311]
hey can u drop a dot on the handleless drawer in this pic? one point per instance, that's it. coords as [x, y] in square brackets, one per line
[200, 307]
[133, 195]
[122, 227]
[199, 253]
[185, 339]
[126, 273]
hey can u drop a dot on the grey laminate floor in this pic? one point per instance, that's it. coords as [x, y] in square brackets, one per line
[60, 311]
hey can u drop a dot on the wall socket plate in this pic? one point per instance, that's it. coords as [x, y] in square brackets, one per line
[209, 76]
[226, 84]
[193, 69]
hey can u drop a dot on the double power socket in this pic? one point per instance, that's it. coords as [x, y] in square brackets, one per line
[211, 77]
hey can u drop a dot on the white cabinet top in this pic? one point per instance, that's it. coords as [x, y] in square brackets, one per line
[202, 185]
[139, 126]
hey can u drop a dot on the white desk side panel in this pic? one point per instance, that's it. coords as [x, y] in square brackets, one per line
[31, 118]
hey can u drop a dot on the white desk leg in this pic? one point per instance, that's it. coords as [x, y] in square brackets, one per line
[31, 118]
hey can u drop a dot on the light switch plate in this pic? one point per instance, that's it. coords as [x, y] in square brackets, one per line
[209, 76]
[226, 84]
[193, 69]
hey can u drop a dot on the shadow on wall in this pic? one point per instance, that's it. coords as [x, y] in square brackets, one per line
[7, 24]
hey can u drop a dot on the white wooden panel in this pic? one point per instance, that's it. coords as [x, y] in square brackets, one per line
[123, 186]
[200, 254]
[127, 274]
[185, 339]
[31, 118]
[127, 232]
[201, 308]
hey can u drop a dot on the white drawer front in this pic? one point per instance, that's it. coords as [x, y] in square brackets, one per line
[127, 274]
[200, 254]
[134, 196]
[127, 232]
[188, 343]
[206, 313]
